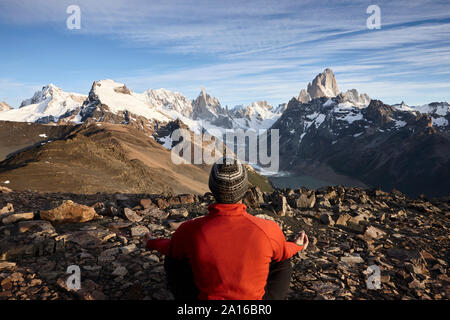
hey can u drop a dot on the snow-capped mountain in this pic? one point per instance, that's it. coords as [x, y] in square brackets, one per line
[206, 107]
[47, 105]
[438, 111]
[112, 101]
[379, 144]
[347, 131]
[169, 101]
[257, 115]
[4, 106]
[325, 85]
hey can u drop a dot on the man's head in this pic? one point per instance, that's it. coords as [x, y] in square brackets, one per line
[228, 180]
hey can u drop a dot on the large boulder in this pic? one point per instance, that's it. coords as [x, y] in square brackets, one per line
[69, 212]
[250, 199]
[306, 200]
[280, 204]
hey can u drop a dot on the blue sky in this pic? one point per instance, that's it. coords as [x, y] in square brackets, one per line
[241, 51]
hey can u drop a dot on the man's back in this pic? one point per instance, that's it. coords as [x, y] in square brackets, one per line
[230, 251]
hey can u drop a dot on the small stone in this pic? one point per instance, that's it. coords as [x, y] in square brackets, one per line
[9, 208]
[7, 265]
[352, 259]
[374, 233]
[131, 215]
[180, 212]
[139, 231]
[13, 218]
[174, 225]
[326, 219]
[5, 190]
[35, 282]
[265, 217]
[120, 271]
[156, 213]
[187, 198]
[146, 203]
[343, 219]
[128, 249]
[36, 227]
[161, 203]
[356, 227]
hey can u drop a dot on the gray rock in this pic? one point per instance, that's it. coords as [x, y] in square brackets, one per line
[306, 200]
[120, 271]
[280, 204]
[354, 259]
[139, 231]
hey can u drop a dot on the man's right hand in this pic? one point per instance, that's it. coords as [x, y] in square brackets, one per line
[302, 240]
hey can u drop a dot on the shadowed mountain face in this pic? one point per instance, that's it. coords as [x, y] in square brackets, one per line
[106, 157]
[379, 145]
[97, 157]
[15, 136]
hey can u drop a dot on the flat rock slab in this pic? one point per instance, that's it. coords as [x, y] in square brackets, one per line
[15, 217]
[131, 215]
[90, 239]
[352, 259]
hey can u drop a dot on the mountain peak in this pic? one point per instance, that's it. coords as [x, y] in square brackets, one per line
[323, 85]
[46, 93]
[4, 106]
[205, 106]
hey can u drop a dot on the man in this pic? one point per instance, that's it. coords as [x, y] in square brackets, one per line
[228, 254]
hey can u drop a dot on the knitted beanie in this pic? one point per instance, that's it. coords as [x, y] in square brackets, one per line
[228, 180]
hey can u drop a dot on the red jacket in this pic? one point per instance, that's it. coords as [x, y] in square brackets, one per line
[229, 251]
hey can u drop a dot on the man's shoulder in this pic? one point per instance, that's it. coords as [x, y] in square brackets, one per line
[265, 222]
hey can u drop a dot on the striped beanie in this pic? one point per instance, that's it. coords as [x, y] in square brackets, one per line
[228, 180]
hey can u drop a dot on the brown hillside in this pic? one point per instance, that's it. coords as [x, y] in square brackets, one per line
[101, 158]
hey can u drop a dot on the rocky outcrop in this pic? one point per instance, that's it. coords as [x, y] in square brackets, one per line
[352, 96]
[323, 85]
[351, 230]
[206, 107]
[304, 96]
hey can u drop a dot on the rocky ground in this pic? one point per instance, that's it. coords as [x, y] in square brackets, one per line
[350, 229]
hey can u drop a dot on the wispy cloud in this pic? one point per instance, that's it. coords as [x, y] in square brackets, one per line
[268, 49]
